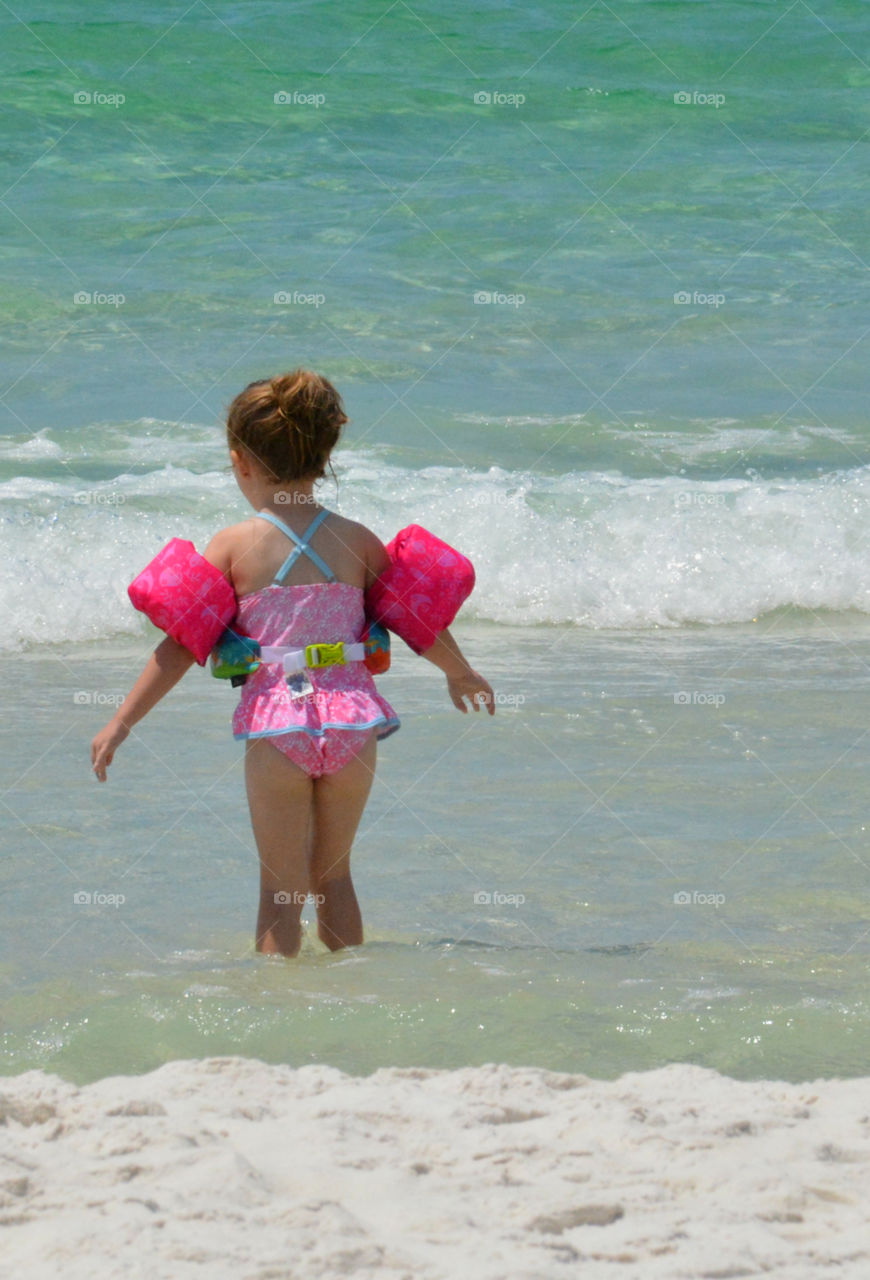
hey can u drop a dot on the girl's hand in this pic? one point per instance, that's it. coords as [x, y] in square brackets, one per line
[104, 746]
[472, 686]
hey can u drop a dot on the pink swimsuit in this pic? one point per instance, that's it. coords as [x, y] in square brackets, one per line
[324, 726]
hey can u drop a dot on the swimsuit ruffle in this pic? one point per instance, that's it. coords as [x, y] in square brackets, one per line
[276, 711]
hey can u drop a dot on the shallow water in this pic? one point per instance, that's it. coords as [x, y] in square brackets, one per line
[669, 828]
[651, 439]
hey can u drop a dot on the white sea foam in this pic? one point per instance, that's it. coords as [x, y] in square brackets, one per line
[591, 549]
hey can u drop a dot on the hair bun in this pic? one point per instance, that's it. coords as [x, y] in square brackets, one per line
[286, 383]
[284, 389]
[298, 395]
[290, 423]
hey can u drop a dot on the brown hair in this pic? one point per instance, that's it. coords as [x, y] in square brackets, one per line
[289, 424]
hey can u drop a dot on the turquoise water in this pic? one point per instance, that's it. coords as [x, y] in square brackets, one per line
[651, 439]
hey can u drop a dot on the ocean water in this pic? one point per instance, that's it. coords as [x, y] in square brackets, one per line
[591, 283]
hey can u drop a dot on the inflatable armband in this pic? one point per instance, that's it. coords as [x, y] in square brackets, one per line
[423, 589]
[377, 643]
[235, 657]
[185, 596]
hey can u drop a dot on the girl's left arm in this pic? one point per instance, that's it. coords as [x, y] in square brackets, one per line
[167, 664]
[462, 680]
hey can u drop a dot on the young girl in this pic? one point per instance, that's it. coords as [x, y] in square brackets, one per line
[309, 749]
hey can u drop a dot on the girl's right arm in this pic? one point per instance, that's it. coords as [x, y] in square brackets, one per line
[167, 664]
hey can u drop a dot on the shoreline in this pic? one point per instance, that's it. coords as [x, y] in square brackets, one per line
[266, 1172]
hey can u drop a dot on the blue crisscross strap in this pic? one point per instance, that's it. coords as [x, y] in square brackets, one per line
[301, 548]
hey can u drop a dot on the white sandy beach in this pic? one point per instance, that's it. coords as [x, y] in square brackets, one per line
[228, 1167]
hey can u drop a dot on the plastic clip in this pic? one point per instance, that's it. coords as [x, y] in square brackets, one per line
[324, 655]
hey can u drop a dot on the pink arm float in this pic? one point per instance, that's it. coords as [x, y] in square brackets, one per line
[423, 589]
[185, 596]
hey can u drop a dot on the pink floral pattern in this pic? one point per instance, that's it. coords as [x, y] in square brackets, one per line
[422, 591]
[342, 697]
[184, 596]
[324, 755]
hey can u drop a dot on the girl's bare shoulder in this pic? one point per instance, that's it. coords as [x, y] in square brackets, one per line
[227, 543]
[362, 543]
[349, 530]
[355, 533]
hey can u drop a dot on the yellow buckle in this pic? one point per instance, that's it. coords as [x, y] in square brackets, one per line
[324, 655]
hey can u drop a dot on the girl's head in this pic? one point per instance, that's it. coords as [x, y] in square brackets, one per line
[289, 425]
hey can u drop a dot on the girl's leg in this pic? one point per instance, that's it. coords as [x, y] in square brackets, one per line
[280, 799]
[339, 800]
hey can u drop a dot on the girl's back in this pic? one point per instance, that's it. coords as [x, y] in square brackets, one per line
[256, 551]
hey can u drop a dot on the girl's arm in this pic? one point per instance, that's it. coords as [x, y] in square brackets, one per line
[167, 664]
[462, 680]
